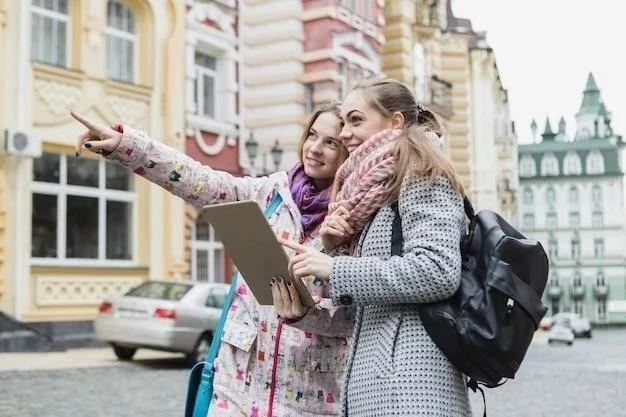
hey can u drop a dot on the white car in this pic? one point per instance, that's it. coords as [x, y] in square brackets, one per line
[173, 316]
[561, 333]
[580, 325]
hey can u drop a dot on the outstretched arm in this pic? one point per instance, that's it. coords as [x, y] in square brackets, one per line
[165, 166]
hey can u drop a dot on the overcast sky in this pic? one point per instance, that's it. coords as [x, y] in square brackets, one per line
[545, 49]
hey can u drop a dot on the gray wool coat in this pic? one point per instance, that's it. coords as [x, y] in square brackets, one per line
[394, 368]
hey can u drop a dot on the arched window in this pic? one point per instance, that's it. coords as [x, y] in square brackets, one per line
[549, 165]
[527, 166]
[572, 164]
[121, 35]
[207, 253]
[594, 163]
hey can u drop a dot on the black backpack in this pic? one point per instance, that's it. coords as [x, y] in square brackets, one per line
[486, 327]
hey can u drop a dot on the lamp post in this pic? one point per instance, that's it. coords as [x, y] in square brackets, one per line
[252, 149]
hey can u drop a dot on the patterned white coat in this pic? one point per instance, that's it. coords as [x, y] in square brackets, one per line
[394, 367]
[263, 368]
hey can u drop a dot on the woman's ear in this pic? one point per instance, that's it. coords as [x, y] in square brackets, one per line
[397, 120]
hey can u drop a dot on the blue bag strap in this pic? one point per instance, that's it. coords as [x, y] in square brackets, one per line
[201, 386]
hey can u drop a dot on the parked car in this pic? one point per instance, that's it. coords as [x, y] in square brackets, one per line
[561, 333]
[580, 325]
[172, 316]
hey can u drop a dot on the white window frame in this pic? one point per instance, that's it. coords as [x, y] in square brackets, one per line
[125, 36]
[223, 47]
[57, 17]
[574, 220]
[528, 167]
[528, 221]
[212, 246]
[596, 197]
[572, 164]
[528, 196]
[595, 163]
[552, 221]
[342, 74]
[62, 190]
[549, 165]
[201, 71]
[573, 196]
[598, 248]
[597, 219]
[550, 196]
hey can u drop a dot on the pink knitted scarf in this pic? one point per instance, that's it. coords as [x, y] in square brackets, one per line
[364, 178]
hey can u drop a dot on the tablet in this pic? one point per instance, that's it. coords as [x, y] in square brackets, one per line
[251, 243]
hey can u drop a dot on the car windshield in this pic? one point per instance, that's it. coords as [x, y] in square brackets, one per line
[169, 291]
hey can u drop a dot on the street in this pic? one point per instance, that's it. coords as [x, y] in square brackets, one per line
[586, 379]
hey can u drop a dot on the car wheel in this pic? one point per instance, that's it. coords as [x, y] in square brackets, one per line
[200, 350]
[550, 341]
[124, 353]
[569, 343]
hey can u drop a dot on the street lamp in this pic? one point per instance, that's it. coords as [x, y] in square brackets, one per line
[252, 149]
[277, 154]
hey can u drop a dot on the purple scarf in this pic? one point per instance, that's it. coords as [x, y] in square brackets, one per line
[312, 203]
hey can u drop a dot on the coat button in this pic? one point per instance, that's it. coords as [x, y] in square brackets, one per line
[345, 300]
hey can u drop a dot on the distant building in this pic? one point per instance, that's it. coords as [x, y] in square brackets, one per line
[572, 200]
[453, 71]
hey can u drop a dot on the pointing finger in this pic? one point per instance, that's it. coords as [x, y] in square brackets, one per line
[92, 126]
[293, 245]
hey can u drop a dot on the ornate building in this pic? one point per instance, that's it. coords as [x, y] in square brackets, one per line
[494, 159]
[453, 71]
[322, 47]
[213, 120]
[73, 230]
[572, 200]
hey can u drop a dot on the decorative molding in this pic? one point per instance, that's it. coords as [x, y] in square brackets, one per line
[199, 12]
[59, 97]
[220, 142]
[371, 60]
[128, 110]
[63, 291]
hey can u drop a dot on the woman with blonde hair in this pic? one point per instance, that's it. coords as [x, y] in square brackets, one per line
[394, 367]
[262, 368]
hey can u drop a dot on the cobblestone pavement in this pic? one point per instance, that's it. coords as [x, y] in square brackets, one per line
[586, 379]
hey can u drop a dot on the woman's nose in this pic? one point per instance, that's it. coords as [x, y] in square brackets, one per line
[345, 133]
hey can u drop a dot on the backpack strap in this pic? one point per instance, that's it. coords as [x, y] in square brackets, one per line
[469, 208]
[396, 227]
[397, 241]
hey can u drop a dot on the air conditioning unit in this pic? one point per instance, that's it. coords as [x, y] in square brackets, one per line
[18, 142]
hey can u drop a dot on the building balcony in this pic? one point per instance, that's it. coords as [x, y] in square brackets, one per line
[577, 291]
[440, 97]
[555, 292]
[601, 291]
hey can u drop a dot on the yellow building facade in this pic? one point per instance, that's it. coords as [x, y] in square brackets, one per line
[73, 230]
[425, 50]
